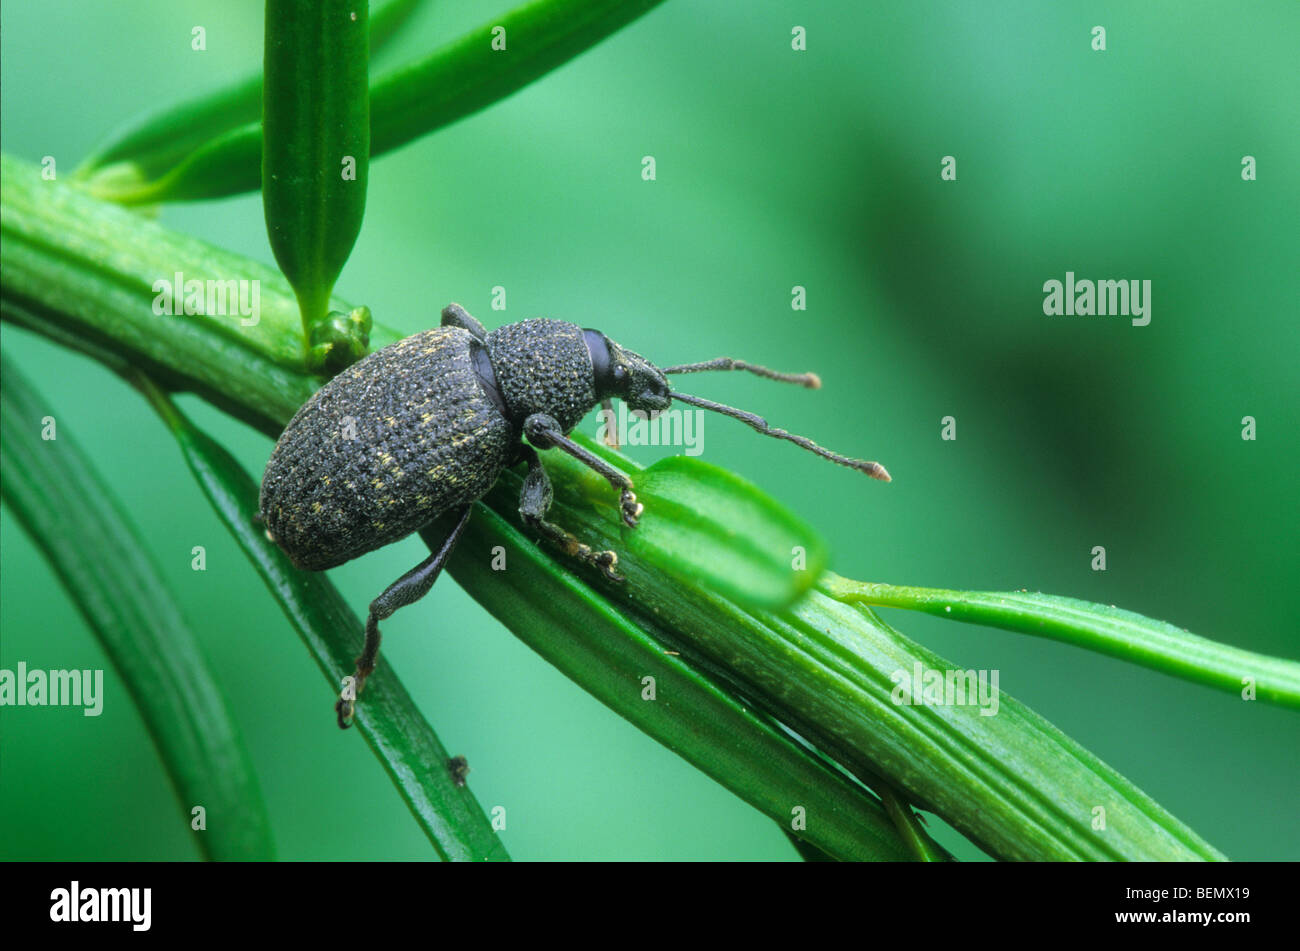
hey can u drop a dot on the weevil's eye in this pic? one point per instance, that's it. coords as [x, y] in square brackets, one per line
[620, 373]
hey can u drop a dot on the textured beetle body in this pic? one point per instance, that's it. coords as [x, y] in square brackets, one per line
[416, 429]
[425, 426]
[543, 366]
[383, 449]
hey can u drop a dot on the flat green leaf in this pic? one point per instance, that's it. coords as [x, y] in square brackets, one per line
[1099, 627]
[316, 144]
[400, 737]
[70, 515]
[63, 249]
[711, 527]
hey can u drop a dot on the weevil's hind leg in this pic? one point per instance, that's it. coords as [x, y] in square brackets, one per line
[544, 433]
[453, 315]
[408, 589]
[535, 502]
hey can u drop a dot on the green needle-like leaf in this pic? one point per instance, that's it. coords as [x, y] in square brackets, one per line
[494, 61]
[402, 740]
[63, 249]
[1105, 629]
[316, 143]
[714, 528]
[70, 515]
[454, 81]
[149, 147]
[908, 823]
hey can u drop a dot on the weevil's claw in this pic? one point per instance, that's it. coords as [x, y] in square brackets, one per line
[632, 509]
[605, 561]
[345, 710]
[458, 767]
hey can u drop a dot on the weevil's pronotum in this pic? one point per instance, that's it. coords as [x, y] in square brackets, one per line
[425, 426]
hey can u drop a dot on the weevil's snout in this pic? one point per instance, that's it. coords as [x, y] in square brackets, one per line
[644, 387]
[627, 375]
[653, 393]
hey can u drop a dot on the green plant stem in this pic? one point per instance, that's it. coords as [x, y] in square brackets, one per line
[97, 554]
[1012, 782]
[128, 334]
[1098, 627]
[611, 655]
[63, 249]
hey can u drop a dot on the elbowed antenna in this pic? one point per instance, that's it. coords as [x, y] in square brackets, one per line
[873, 469]
[810, 380]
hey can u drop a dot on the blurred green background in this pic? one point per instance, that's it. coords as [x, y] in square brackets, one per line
[775, 168]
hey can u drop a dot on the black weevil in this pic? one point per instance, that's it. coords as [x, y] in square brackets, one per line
[424, 427]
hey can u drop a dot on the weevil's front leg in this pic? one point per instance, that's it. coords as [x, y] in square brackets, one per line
[535, 501]
[544, 433]
[408, 589]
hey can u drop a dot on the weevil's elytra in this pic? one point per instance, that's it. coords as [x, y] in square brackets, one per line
[344, 481]
[425, 426]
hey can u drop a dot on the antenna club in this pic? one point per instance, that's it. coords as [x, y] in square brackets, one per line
[814, 381]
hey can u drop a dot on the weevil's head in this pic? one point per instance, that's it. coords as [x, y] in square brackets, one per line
[626, 375]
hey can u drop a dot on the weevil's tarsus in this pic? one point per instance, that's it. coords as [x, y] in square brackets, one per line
[758, 423]
[458, 767]
[346, 705]
[535, 501]
[408, 589]
[810, 380]
[545, 433]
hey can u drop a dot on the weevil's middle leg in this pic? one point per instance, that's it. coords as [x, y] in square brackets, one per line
[535, 502]
[408, 589]
[544, 433]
